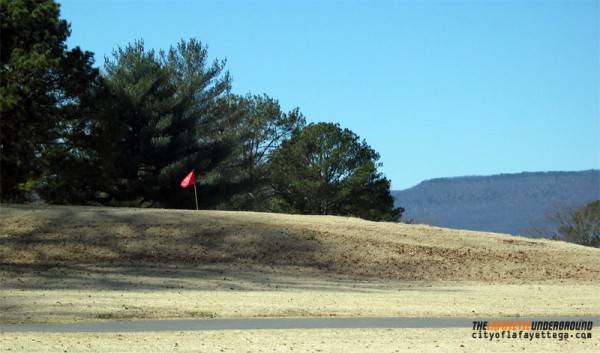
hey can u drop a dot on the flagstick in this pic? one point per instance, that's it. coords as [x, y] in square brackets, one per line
[196, 194]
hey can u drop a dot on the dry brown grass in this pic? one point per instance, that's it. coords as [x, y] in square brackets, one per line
[41, 238]
[324, 341]
[360, 300]
[66, 264]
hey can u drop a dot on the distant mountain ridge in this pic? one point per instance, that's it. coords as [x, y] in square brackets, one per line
[505, 203]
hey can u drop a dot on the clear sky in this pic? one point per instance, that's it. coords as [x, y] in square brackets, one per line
[438, 88]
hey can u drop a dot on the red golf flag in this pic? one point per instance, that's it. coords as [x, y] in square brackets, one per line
[189, 180]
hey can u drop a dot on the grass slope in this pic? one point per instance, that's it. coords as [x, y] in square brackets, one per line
[34, 238]
[70, 264]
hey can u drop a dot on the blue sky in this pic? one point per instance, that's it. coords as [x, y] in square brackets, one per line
[438, 88]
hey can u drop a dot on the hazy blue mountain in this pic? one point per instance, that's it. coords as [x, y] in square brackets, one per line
[505, 203]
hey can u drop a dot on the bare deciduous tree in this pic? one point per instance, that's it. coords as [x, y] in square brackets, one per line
[575, 225]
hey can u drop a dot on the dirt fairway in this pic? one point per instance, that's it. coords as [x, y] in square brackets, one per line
[73, 264]
[325, 341]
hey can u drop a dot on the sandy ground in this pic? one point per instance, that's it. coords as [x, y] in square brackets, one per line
[69, 264]
[364, 299]
[350, 341]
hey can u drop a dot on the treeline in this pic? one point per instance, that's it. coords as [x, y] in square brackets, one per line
[126, 136]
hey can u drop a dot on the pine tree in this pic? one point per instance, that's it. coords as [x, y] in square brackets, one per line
[324, 169]
[41, 89]
[254, 128]
[164, 103]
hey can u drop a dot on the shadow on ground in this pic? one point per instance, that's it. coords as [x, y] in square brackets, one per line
[98, 248]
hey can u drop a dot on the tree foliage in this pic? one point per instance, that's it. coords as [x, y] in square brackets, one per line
[166, 122]
[575, 225]
[255, 127]
[42, 88]
[72, 135]
[582, 226]
[324, 169]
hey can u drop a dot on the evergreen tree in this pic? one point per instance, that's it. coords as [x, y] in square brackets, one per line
[164, 104]
[254, 128]
[41, 89]
[80, 167]
[326, 170]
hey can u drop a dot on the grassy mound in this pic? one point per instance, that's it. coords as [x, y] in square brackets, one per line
[40, 237]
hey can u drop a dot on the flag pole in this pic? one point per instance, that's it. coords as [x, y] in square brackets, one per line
[187, 181]
[196, 194]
